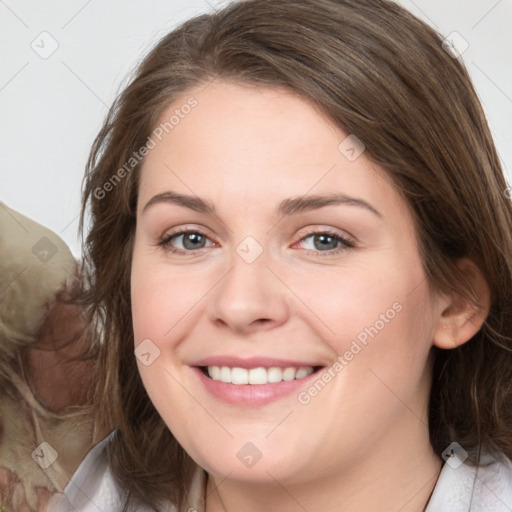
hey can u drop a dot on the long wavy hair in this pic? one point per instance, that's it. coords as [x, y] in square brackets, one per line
[377, 72]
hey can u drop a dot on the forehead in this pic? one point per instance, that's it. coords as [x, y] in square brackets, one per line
[256, 145]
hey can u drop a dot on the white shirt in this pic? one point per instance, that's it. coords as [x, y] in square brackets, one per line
[487, 488]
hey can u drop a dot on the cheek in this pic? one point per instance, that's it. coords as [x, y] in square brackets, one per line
[376, 316]
[379, 330]
[162, 297]
[152, 306]
[349, 303]
[161, 301]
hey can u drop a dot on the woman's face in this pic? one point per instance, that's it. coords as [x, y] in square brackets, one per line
[300, 257]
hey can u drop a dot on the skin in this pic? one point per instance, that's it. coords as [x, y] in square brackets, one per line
[362, 443]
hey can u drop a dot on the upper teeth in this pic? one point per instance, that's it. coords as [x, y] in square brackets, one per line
[257, 375]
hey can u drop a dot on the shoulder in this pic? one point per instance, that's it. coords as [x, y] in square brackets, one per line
[483, 488]
[92, 487]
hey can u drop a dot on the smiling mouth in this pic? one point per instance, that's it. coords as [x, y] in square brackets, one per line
[257, 376]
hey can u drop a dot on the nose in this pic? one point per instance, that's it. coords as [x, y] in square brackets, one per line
[250, 297]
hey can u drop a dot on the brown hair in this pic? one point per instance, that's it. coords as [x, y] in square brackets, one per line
[377, 72]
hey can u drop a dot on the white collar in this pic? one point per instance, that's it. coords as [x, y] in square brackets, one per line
[487, 488]
[92, 488]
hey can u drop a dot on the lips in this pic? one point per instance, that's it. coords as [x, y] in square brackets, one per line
[253, 381]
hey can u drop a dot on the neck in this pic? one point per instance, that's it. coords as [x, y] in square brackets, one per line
[399, 476]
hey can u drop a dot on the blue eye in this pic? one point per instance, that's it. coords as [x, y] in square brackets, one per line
[327, 242]
[191, 241]
[324, 242]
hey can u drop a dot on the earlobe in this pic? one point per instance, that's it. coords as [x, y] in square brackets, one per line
[460, 319]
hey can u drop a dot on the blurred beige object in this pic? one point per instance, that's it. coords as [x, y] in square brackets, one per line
[45, 428]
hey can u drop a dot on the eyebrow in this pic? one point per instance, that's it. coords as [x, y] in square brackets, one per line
[287, 207]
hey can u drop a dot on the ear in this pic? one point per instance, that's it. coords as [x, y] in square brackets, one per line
[460, 319]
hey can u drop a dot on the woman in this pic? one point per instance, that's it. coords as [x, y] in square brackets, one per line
[300, 259]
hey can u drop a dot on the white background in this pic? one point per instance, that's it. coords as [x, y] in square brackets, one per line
[51, 109]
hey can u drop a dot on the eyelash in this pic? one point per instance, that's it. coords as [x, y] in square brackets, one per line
[346, 244]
